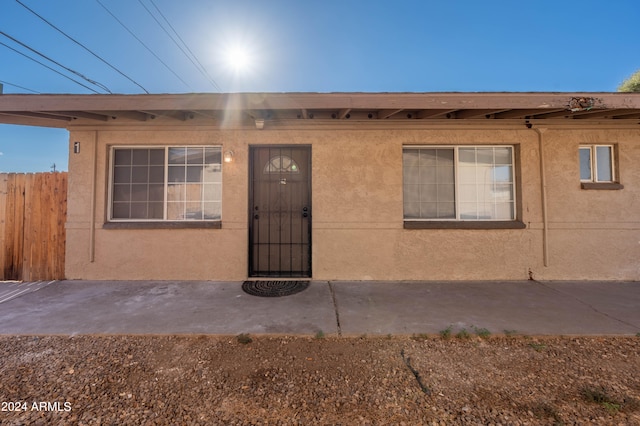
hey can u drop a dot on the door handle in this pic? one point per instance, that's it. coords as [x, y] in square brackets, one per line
[305, 212]
[256, 217]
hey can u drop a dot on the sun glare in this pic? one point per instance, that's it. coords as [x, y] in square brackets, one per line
[238, 59]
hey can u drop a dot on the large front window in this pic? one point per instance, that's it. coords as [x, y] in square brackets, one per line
[166, 183]
[459, 183]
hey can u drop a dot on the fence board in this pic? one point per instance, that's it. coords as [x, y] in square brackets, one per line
[16, 191]
[32, 220]
[28, 220]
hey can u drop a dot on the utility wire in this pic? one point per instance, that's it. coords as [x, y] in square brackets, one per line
[211, 80]
[100, 85]
[83, 46]
[48, 67]
[142, 43]
[19, 87]
[191, 58]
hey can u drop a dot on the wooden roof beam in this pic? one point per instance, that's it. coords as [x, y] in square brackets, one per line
[523, 113]
[568, 114]
[386, 113]
[188, 115]
[627, 117]
[607, 113]
[557, 113]
[6, 118]
[206, 114]
[343, 113]
[134, 115]
[478, 113]
[80, 114]
[38, 115]
[435, 113]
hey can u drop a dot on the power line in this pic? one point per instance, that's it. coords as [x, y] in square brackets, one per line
[48, 67]
[18, 86]
[211, 80]
[191, 58]
[100, 85]
[83, 46]
[142, 43]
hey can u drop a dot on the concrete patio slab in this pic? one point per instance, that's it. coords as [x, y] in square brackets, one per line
[337, 307]
[165, 307]
[528, 307]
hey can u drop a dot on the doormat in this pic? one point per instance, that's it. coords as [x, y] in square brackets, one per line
[274, 288]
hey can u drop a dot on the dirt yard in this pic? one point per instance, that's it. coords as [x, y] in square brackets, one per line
[202, 380]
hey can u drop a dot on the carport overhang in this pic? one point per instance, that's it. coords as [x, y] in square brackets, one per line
[65, 110]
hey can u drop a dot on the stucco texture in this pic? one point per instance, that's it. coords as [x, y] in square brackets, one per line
[357, 211]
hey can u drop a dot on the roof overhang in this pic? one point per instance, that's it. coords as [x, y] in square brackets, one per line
[55, 110]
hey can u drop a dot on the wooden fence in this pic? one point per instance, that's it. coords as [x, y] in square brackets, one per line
[33, 210]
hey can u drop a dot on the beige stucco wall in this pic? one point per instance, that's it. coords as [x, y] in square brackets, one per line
[592, 234]
[357, 218]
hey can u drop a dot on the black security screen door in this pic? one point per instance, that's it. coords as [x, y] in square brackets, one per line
[280, 211]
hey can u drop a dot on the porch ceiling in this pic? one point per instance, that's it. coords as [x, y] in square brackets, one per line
[65, 110]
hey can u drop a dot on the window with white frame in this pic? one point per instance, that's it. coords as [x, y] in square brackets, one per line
[166, 183]
[597, 163]
[459, 183]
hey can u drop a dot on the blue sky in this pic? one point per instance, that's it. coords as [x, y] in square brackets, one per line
[310, 46]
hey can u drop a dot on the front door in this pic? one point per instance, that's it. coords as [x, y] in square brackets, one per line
[280, 211]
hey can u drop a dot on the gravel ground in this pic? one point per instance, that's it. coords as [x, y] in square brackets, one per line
[204, 380]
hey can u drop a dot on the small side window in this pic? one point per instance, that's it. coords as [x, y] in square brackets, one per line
[597, 163]
[598, 167]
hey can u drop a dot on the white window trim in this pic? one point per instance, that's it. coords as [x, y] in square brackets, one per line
[455, 148]
[594, 163]
[166, 183]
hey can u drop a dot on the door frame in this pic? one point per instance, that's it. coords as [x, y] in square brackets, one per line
[250, 213]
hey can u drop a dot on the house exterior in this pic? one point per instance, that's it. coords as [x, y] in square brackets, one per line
[348, 186]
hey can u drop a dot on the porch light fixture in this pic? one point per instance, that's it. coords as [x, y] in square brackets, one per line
[228, 156]
[76, 147]
[259, 123]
